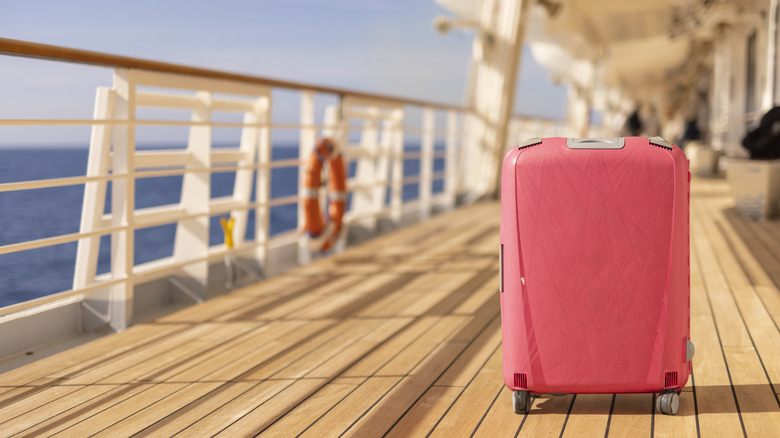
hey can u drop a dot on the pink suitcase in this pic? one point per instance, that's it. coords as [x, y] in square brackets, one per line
[595, 268]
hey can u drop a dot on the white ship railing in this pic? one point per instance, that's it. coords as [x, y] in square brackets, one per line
[371, 130]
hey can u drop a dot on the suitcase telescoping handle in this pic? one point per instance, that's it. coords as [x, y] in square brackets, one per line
[596, 143]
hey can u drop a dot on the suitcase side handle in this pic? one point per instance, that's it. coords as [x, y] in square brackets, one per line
[596, 143]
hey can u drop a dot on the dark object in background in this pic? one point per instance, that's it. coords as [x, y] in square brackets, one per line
[634, 124]
[764, 141]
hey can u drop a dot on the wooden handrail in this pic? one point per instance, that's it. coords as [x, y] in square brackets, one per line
[49, 52]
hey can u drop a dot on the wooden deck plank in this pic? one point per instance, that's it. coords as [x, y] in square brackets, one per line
[471, 361]
[264, 415]
[500, 420]
[347, 357]
[762, 328]
[330, 350]
[76, 413]
[632, 415]
[748, 377]
[474, 402]
[548, 415]
[589, 415]
[156, 411]
[52, 409]
[352, 407]
[285, 357]
[402, 335]
[394, 404]
[74, 361]
[681, 425]
[92, 375]
[94, 423]
[181, 356]
[716, 405]
[425, 413]
[235, 358]
[303, 415]
[414, 353]
[371, 363]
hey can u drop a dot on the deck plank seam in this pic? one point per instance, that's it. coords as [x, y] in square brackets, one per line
[695, 405]
[652, 417]
[609, 417]
[461, 393]
[742, 317]
[568, 414]
[720, 342]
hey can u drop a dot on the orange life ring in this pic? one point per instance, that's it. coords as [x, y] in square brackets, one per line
[325, 151]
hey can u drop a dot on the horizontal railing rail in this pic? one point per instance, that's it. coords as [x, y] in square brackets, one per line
[49, 52]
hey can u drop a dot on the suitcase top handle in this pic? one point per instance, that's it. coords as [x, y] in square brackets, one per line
[596, 143]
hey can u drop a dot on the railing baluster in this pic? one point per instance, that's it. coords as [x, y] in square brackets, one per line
[426, 163]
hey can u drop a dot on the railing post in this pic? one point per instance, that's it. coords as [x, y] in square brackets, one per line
[451, 160]
[307, 140]
[397, 153]
[365, 174]
[263, 184]
[242, 188]
[123, 202]
[426, 163]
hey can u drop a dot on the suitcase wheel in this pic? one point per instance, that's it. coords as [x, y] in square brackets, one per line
[521, 402]
[668, 403]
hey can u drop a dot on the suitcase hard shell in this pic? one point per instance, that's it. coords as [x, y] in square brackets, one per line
[595, 267]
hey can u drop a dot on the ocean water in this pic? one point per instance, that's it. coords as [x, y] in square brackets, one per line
[34, 214]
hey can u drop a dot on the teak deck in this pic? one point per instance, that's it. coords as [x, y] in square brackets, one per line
[401, 336]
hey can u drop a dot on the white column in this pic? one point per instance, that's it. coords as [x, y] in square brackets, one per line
[770, 95]
[737, 41]
[496, 54]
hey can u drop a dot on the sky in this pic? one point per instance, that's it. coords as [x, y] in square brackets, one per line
[380, 46]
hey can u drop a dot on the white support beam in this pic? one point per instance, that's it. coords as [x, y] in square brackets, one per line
[93, 205]
[192, 235]
[123, 202]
